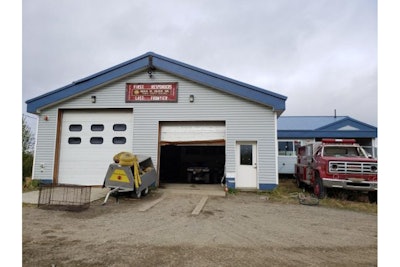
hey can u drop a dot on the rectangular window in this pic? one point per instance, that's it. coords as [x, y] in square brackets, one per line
[246, 155]
[119, 127]
[285, 148]
[96, 140]
[75, 128]
[119, 140]
[74, 140]
[97, 127]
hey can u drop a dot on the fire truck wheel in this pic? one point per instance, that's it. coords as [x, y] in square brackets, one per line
[138, 194]
[373, 197]
[319, 189]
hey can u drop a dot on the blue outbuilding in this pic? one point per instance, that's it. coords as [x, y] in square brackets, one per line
[294, 131]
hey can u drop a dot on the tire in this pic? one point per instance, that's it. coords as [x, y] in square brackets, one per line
[138, 194]
[207, 178]
[145, 191]
[373, 197]
[299, 183]
[319, 189]
[189, 178]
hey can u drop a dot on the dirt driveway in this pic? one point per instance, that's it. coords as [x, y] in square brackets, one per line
[244, 229]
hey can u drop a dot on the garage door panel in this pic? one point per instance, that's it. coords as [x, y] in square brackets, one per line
[87, 148]
[192, 131]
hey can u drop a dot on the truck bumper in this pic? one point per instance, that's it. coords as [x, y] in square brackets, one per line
[350, 185]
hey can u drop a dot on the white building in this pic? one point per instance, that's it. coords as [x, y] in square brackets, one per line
[176, 113]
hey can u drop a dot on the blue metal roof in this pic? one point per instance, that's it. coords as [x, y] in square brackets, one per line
[143, 62]
[323, 127]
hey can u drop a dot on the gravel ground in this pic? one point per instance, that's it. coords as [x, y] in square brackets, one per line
[244, 229]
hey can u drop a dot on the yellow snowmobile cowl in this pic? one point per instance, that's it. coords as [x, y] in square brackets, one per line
[119, 176]
[124, 158]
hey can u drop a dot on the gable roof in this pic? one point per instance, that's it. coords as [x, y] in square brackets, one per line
[155, 61]
[324, 127]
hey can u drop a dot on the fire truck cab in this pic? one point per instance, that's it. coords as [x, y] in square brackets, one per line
[337, 163]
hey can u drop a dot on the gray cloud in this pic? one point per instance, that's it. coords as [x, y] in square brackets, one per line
[320, 50]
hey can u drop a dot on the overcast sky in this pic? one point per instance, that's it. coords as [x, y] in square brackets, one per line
[321, 54]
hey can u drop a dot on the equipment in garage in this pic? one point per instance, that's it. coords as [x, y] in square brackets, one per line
[177, 161]
[198, 174]
[130, 173]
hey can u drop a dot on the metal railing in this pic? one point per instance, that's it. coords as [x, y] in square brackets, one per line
[64, 197]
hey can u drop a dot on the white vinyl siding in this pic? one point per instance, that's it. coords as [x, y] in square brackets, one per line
[43, 167]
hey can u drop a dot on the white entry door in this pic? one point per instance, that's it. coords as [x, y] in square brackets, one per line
[246, 162]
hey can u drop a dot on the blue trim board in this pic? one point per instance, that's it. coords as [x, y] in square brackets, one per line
[141, 63]
[267, 186]
[231, 185]
[326, 134]
[347, 121]
[45, 181]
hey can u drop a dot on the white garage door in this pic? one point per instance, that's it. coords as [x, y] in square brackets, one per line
[193, 132]
[89, 140]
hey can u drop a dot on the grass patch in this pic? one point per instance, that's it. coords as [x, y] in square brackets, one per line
[232, 191]
[353, 205]
[30, 185]
[287, 192]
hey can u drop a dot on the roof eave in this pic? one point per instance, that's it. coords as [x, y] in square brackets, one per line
[252, 93]
[325, 134]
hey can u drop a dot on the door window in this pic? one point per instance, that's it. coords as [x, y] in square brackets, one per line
[246, 155]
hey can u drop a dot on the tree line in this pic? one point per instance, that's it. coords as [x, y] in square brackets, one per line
[28, 142]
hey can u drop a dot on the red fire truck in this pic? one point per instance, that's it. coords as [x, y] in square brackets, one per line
[337, 163]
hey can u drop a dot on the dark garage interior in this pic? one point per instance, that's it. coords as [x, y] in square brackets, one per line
[192, 163]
